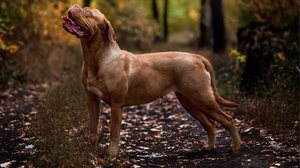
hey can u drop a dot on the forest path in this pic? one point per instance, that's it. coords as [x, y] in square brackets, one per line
[158, 134]
[162, 134]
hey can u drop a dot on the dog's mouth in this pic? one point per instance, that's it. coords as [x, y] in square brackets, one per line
[71, 26]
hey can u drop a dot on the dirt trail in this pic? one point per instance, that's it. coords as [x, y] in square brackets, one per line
[162, 134]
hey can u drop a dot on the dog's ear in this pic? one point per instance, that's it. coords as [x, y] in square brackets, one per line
[109, 30]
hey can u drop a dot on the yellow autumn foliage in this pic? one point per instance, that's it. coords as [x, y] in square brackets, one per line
[13, 48]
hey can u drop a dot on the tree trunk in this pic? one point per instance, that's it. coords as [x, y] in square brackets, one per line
[155, 11]
[166, 24]
[86, 2]
[205, 24]
[155, 17]
[219, 39]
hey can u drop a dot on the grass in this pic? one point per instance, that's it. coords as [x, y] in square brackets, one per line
[278, 112]
[61, 127]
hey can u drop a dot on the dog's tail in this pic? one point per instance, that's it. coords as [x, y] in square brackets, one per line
[218, 98]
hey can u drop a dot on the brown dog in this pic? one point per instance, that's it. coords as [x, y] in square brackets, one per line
[121, 78]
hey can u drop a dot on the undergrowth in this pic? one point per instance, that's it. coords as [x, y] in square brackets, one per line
[278, 113]
[61, 127]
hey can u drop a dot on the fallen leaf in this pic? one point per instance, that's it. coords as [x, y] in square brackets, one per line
[100, 161]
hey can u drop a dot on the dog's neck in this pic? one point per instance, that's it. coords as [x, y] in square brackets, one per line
[98, 50]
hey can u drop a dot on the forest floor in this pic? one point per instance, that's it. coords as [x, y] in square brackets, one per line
[16, 116]
[163, 134]
[157, 134]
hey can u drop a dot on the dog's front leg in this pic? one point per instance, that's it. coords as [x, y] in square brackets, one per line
[116, 117]
[93, 104]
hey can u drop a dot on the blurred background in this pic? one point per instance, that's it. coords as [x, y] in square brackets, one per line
[253, 44]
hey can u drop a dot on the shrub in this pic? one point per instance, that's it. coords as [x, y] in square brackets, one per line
[270, 75]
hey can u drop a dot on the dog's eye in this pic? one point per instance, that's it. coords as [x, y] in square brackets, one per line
[88, 13]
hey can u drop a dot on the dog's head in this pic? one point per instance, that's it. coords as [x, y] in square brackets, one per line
[87, 23]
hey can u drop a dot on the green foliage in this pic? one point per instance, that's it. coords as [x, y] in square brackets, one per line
[239, 57]
[183, 14]
[230, 76]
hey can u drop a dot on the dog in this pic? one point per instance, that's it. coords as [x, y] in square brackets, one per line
[121, 78]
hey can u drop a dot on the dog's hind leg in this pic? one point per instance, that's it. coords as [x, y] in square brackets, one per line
[227, 122]
[211, 110]
[198, 91]
[209, 125]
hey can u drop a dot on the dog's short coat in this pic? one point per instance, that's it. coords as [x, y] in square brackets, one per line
[121, 78]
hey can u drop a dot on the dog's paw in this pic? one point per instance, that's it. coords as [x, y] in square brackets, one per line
[235, 147]
[112, 150]
[209, 148]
